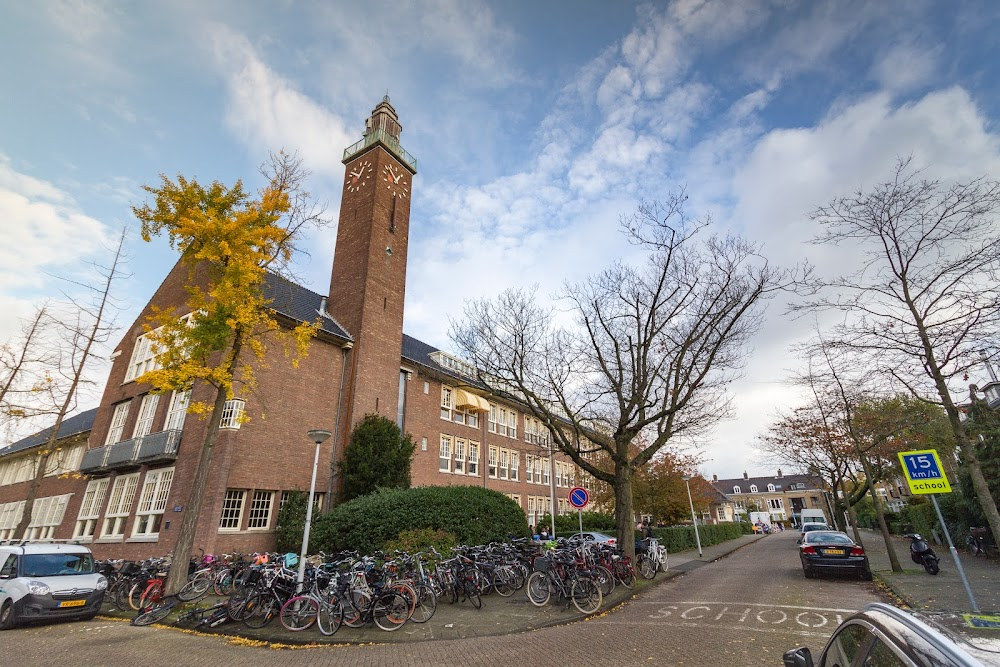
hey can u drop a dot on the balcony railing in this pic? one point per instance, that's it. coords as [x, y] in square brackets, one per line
[380, 136]
[157, 447]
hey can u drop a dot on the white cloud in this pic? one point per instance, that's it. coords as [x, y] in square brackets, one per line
[43, 232]
[906, 66]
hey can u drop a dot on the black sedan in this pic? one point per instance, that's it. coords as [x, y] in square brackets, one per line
[834, 552]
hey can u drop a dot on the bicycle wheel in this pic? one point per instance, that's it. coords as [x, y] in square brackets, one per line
[625, 575]
[355, 610]
[134, 596]
[236, 605]
[605, 580]
[195, 588]
[646, 566]
[260, 610]
[299, 613]
[586, 595]
[472, 592]
[330, 616]
[538, 589]
[155, 613]
[223, 584]
[426, 604]
[391, 611]
[152, 595]
[504, 581]
[408, 592]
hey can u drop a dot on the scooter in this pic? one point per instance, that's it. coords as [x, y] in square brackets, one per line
[921, 553]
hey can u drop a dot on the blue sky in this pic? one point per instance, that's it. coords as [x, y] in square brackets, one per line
[536, 126]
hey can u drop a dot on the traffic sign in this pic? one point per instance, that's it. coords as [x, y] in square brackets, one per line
[579, 497]
[924, 472]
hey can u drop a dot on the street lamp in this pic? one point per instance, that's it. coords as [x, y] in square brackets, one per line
[697, 538]
[319, 437]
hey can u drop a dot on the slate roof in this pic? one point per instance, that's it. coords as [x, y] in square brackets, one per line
[783, 483]
[299, 303]
[420, 352]
[80, 423]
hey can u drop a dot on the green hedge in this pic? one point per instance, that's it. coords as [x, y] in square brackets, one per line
[472, 514]
[681, 538]
[570, 523]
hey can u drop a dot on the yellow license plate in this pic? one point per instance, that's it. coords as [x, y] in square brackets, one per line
[835, 552]
[72, 603]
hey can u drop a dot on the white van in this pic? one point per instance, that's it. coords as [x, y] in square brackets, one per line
[48, 581]
[812, 516]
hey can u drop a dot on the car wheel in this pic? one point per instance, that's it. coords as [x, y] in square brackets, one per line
[8, 619]
[808, 573]
[867, 575]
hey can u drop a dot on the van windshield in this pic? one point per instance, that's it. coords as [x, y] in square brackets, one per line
[56, 565]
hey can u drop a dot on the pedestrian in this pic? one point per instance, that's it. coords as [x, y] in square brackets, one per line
[645, 530]
[531, 530]
[544, 534]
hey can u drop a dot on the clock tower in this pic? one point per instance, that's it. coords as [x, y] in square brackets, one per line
[369, 266]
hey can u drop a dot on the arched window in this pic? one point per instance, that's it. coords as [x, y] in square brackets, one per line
[736, 489]
[753, 488]
[770, 488]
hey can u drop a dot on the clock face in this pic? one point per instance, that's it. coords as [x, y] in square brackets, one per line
[358, 177]
[395, 181]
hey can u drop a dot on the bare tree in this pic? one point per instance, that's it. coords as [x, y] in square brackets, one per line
[649, 350]
[925, 302]
[89, 323]
[24, 377]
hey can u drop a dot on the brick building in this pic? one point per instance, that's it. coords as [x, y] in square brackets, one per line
[783, 496]
[125, 486]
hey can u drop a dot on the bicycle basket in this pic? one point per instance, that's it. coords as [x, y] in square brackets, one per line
[252, 577]
[542, 565]
[130, 568]
[641, 547]
[977, 532]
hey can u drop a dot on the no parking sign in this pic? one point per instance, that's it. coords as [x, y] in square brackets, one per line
[579, 497]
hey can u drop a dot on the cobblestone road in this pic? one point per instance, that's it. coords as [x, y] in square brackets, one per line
[745, 609]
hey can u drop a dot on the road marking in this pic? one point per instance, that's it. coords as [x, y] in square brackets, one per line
[750, 604]
[731, 615]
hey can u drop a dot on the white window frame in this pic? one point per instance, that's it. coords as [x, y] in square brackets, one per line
[503, 468]
[529, 468]
[753, 488]
[152, 502]
[493, 455]
[261, 506]
[546, 470]
[147, 412]
[118, 419]
[90, 509]
[444, 453]
[179, 402]
[232, 414]
[770, 488]
[119, 506]
[447, 402]
[229, 505]
[473, 460]
[736, 489]
[10, 515]
[143, 359]
[65, 459]
[47, 513]
[460, 449]
[515, 457]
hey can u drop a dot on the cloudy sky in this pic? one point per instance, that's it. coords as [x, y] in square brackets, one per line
[536, 126]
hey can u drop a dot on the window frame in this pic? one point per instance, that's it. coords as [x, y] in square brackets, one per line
[120, 503]
[445, 453]
[119, 416]
[472, 462]
[226, 515]
[90, 509]
[258, 512]
[458, 461]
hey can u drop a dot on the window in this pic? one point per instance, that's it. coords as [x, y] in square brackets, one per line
[232, 509]
[10, 516]
[232, 413]
[882, 655]
[90, 509]
[736, 489]
[444, 454]
[46, 515]
[152, 502]
[122, 495]
[538, 470]
[474, 458]
[514, 464]
[775, 503]
[516, 497]
[844, 646]
[504, 463]
[459, 457]
[753, 488]
[117, 423]
[178, 410]
[143, 358]
[260, 510]
[800, 485]
[770, 488]
[451, 412]
[529, 470]
[147, 410]
[9, 569]
[545, 471]
[423, 444]
[447, 402]
[494, 453]
[404, 377]
[502, 421]
[64, 460]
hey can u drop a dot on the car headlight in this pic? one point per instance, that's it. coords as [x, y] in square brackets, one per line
[102, 583]
[38, 588]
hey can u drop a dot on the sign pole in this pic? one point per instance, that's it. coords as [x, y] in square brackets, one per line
[579, 514]
[954, 554]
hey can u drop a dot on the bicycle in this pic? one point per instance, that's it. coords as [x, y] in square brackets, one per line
[976, 543]
[559, 574]
[156, 612]
[212, 616]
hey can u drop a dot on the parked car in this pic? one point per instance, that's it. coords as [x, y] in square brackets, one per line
[832, 551]
[809, 527]
[883, 635]
[48, 581]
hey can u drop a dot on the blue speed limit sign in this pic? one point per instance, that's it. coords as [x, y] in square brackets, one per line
[579, 497]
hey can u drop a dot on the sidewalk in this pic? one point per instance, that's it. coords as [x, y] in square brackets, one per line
[943, 591]
[499, 616]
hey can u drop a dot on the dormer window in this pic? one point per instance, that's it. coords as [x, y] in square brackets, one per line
[770, 488]
[753, 488]
[736, 489]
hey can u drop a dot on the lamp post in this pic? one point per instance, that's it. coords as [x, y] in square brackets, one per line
[697, 538]
[319, 437]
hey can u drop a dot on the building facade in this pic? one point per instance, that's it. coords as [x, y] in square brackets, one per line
[782, 496]
[124, 483]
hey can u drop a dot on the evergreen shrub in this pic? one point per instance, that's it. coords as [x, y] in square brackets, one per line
[474, 515]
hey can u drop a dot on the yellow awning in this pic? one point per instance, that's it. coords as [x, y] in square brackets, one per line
[465, 400]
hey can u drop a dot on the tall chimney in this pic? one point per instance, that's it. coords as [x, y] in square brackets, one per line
[779, 473]
[745, 475]
[715, 478]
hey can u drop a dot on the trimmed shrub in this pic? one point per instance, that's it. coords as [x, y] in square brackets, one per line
[377, 456]
[419, 539]
[292, 521]
[474, 515]
[681, 538]
[570, 523]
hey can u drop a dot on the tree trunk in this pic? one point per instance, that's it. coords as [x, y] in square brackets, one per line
[880, 514]
[979, 484]
[624, 520]
[178, 575]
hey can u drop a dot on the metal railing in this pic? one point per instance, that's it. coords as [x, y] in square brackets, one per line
[132, 451]
[380, 136]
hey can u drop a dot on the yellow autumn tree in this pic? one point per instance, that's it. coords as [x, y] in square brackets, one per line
[229, 240]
